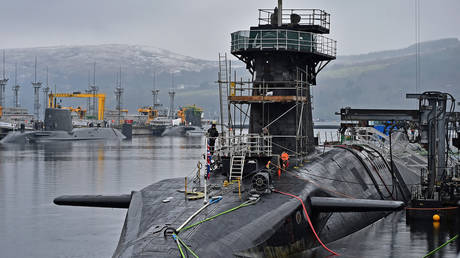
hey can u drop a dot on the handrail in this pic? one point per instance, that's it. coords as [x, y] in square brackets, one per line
[244, 145]
[281, 39]
[315, 17]
[370, 135]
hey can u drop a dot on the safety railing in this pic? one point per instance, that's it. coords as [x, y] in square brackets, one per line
[250, 145]
[379, 140]
[279, 39]
[311, 17]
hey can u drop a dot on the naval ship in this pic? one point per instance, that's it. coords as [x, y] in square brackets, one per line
[58, 127]
[189, 123]
[272, 192]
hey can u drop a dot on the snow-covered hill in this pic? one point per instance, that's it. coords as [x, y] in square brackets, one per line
[71, 67]
[378, 79]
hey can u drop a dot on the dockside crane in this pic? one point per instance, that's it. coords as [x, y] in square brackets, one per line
[100, 98]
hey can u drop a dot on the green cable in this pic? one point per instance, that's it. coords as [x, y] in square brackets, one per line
[178, 245]
[210, 218]
[441, 246]
[179, 241]
[186, 246]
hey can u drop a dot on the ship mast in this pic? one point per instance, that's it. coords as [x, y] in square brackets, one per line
[36, 85]
[171, 93]
[45, 90]
[16, 87]
[118, 95]
[155, 92]
[3, 83]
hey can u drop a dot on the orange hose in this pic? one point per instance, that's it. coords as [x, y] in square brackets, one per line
[309, 221]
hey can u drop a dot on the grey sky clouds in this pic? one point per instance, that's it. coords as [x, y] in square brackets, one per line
[202, 28]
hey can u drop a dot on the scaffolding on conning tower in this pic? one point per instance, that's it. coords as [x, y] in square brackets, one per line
[284, 53]
[236, 98]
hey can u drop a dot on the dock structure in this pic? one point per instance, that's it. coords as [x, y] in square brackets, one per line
[3, 83]
[36, 85]
[284, 53]
[429, 125]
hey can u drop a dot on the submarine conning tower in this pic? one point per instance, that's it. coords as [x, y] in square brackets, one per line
[284, 53]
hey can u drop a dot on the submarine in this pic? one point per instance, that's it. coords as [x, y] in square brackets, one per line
[189, 123]
[58, 127]
[271, 192]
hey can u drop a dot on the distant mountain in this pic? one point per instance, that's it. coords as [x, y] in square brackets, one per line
[381, 79]
[71, 67]
[377, 80]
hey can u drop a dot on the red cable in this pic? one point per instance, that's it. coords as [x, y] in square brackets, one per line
[309, 221]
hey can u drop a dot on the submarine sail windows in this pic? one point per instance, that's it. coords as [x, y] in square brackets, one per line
[292, 39]
[305, 41]
[282, 39]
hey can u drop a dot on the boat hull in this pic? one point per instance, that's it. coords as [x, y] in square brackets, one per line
[77, 134]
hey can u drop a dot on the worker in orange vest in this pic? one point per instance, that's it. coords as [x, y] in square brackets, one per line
[285, 160]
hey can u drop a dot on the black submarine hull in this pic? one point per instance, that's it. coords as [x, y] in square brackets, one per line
[276, 225]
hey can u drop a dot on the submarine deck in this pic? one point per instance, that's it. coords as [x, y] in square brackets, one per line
[270, 227]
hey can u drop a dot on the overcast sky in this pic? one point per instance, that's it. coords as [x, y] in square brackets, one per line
[201, 28]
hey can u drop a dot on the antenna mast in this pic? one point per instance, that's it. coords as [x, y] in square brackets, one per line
[3, 83]
[93, 90]
[36, 85]
[45, 92]
[16, 86]
[171, 98]
[280, 13]
[118, 95]
[155, 92]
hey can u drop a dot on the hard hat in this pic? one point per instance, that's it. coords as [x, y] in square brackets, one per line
[214, 122]
[284, 156]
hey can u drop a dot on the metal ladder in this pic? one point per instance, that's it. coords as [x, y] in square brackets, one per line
[236, 168]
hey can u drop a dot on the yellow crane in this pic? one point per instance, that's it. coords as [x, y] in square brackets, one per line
[149, 112]
[99, 96]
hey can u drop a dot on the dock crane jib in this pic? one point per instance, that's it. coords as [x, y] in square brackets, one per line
[99, 96]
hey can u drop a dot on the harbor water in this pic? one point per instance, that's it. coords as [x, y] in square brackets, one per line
[32, 175]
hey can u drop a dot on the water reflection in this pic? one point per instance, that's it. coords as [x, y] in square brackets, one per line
[32, 175]
[394, 236]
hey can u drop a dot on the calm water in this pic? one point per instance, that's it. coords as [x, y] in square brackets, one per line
[32, 226]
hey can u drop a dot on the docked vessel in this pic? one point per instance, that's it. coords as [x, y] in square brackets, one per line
[159, 125]
[13, 118]
[188, 123]
[58, 127]
[271, 192]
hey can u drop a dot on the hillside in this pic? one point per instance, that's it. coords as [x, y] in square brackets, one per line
[69, 67]
[376, 80]
[379, 80]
